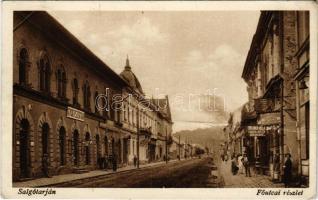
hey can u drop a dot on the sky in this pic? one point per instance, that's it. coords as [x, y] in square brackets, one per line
[178, 53]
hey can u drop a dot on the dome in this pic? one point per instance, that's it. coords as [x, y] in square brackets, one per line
[130, 78]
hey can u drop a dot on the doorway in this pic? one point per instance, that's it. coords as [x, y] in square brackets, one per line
[24, 149]
[62, 145]
[75, 147]
[45, 140]
[87, 157]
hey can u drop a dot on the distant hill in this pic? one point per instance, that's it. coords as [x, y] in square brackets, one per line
[209, 137]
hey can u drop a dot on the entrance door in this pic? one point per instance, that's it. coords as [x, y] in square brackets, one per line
[45, 140]
[125, 147]
[75, 147]
[87, 157]
[24, 149]
[97, 149]
[62, 145]
[119, 158]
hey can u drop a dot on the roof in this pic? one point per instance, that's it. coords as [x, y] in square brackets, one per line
[55, 31]
[131, 78]
[164, 107]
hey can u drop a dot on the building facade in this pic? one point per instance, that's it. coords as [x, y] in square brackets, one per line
[60, 119]
[277, 72]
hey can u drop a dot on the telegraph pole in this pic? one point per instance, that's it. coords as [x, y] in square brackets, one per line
[282, 128]
[138, 136]
[179, 149]
[166, 146]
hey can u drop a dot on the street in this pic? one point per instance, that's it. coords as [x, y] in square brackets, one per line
[179, 174]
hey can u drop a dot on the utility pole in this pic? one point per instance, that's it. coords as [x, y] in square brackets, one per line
[138, 136]
[166, 146]
[179, 149]
[282, 128]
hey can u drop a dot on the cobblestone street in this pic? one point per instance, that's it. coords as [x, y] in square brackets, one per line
[241, 181]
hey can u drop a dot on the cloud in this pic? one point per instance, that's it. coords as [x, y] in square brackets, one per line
[141, 31]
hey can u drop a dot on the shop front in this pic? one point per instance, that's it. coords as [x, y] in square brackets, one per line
[270, 158]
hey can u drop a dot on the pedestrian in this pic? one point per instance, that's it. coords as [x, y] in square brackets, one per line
[222, 157]
[234, 167]
[105, 162]
[246, 165]
[240, 163]
[225, 157]
[287, 170]
[114, 162]
[45, 165]
[135, 160]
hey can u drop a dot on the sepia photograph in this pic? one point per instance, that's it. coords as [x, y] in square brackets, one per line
[160, 99]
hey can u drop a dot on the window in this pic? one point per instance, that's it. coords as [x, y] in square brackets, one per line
[61, 82]
[23, 65]
[75, 92]
[45, 74]
[86, 96]
[303, 26]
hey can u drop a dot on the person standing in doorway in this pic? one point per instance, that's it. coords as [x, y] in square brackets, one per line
[287, 170]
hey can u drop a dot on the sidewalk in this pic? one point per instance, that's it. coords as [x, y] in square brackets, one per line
[241, 181]
[41, 182]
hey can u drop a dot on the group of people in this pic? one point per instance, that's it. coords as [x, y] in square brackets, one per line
[240, 162]
[103, 162]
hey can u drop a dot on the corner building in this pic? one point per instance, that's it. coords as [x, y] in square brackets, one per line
[56, 80]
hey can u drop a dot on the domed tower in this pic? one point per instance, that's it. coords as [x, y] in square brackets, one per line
[130, 77]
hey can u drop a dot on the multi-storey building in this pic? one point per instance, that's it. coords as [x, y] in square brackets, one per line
[155, 125]
[275, 68]
[301, 77]
[57, 85]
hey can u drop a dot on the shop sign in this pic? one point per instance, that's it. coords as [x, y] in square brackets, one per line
[255, 131]
[264, 105]
[75, 114]
[269, 118]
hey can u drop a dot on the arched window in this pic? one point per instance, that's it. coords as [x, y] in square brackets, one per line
[45, 74]
[75, 92]
[61, 82]
[86, 96]
[23, 66]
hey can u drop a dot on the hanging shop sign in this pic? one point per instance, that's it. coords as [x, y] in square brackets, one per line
[75, 114]
[264, 105]
[269, 119]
